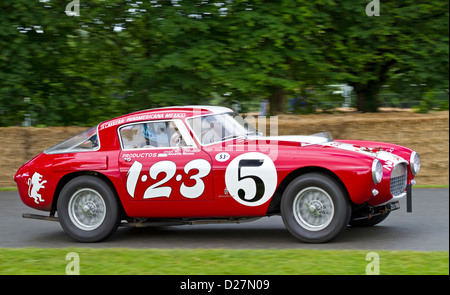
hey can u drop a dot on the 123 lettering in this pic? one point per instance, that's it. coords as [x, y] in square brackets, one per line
[169, 168]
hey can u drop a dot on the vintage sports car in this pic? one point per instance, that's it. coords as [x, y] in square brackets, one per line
[200, 164]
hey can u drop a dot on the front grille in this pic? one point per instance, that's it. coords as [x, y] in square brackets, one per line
[398, 180]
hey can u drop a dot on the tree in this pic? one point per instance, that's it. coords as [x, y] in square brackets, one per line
[268, 49]
[169, 62]
[409, 40]
[51, 66]
[120, 56]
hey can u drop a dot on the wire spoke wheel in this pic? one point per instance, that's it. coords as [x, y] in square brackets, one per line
[87, 209]
[313, 208]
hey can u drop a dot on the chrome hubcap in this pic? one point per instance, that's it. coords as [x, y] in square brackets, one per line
[87, 209]
[313, 208]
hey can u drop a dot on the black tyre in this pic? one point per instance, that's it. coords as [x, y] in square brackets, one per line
[314, 208]
[88, 210]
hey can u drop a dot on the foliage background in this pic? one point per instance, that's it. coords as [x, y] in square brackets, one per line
[119, 56]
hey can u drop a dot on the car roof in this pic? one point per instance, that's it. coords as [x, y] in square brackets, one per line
[165, 113]
[212, 109]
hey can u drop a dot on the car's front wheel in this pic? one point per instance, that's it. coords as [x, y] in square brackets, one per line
[88, 210]
[314, 208]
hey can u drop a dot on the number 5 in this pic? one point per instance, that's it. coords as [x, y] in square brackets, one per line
[251, 178]
[250, 192]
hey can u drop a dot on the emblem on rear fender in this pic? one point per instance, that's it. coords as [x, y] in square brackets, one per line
[35, 183]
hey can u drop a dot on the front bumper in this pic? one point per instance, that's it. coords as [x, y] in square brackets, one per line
[369, 212]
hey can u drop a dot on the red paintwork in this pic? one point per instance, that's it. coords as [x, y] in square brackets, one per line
[353, 169]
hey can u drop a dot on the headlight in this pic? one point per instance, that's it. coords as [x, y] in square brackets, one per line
[377, 171]
[414, 162]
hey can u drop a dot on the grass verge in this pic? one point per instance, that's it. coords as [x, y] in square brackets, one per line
[7, 189]
[431, 186]
[122, 261]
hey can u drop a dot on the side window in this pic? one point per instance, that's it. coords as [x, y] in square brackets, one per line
[85, 141]
[157, 134]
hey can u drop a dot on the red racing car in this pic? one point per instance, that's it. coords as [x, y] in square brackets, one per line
[200, 164]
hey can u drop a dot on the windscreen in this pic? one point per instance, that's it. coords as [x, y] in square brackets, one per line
[215, 128]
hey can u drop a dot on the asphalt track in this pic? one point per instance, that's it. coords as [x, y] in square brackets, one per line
[425, 229]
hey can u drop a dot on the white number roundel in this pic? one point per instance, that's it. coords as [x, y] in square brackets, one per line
[251, 178]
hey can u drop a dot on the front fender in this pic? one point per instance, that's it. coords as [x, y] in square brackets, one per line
[353, 170]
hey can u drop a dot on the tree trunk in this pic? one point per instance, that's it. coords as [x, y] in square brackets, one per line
[276, 100]
[367, 96]
[367, 93]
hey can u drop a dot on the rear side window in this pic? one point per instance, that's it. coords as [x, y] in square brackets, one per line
[158, 134]
[85, 141]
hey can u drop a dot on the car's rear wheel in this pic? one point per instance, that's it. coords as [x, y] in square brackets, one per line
[314, 208]
[88, 210]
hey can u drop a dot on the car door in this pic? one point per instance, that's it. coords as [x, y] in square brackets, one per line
[159, 163]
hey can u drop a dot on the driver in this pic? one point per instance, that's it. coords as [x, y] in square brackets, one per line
[212, 134]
